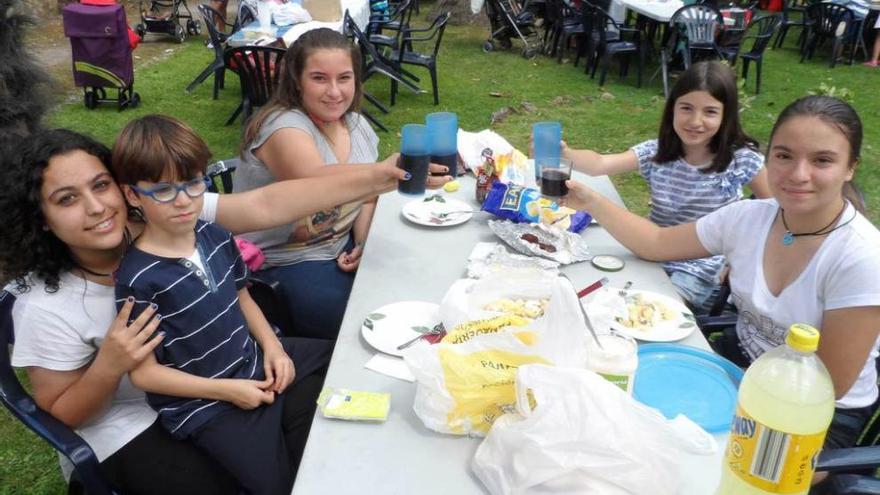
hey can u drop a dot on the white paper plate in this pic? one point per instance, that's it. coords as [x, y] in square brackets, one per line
[397, 323]
[430, 211]
[679, 327]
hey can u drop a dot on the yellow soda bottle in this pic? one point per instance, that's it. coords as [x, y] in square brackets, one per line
[784, 408]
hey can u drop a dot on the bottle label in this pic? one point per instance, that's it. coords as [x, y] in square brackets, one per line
[774, 461]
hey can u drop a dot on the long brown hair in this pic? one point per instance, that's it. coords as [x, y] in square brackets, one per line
[719, 81]
[288, 94]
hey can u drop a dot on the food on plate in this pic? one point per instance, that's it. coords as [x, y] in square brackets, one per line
[527, 308]
[644, 314]
[470, 329]
[533, 239]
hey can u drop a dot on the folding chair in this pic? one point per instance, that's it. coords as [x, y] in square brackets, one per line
[87, 475]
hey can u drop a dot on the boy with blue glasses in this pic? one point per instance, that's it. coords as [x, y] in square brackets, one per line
[218, 375]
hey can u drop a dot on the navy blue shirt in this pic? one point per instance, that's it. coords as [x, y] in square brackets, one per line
[205, 330]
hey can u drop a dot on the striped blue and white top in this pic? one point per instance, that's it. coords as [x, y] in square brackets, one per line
[681, 193]
[205, 330]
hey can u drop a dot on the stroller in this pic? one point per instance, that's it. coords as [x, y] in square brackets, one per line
[509, 18]
[101, 52]
[155, 21]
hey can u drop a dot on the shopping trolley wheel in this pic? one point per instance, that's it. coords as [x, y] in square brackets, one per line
[141, 31]
[488, 46]
[179, 34]
[135, 100]
[529, 53]
[90, 99]
[193, 27]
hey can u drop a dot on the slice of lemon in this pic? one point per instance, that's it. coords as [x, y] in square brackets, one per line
[451, 186]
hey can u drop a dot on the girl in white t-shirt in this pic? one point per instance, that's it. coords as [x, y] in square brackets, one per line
[806, 255]
[700, 162]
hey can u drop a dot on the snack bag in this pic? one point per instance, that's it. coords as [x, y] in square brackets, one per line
[525, 205]
[466, 381]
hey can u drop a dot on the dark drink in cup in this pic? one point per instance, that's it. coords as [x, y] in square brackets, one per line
[553, 182]
[415, 156]
[417, 166]
[553, 179]
[443, 138]
[451, 161]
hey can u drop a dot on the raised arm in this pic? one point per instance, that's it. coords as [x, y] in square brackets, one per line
[848, 335]
[759, 186]
[287, 201]
[593, 163]
[639, 235]
[75, 397]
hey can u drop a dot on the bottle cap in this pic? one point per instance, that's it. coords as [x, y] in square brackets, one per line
[802, 337]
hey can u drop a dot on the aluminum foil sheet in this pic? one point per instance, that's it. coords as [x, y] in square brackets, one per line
[539, 240]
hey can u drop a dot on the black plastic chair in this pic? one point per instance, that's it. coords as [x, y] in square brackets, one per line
[404, 56]
[794, 15]
[830, 21]
[692, 28]
[87, 475]
[606, 48]
[258, 68]
[397, 21]
[218, 42]
[760, 31]
[565, 23]
[373, 61]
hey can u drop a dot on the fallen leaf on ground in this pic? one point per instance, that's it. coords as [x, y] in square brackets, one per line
[528, 107]
[501, 114]
[496, 94]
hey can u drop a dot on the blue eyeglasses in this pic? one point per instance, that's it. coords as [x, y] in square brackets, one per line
[166, 192]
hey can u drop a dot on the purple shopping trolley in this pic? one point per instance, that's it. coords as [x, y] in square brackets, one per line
[101, 53]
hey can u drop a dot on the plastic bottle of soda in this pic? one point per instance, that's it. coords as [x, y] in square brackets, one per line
[784, 408]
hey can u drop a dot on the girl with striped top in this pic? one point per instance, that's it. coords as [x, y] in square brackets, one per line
[700, 162]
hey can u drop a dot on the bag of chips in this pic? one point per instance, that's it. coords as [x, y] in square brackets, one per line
[526, 205]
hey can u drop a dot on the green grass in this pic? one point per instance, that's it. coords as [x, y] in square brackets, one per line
[605, 120]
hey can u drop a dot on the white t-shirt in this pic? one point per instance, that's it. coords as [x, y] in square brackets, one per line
[844, 273]
[63, 330]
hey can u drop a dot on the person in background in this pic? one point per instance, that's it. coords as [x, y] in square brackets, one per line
[700, 162]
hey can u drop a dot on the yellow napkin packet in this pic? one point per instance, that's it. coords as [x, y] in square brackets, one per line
[354, 405]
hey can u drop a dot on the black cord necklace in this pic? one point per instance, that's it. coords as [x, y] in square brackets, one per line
[126, 239]
[90, 272]
[788, 236]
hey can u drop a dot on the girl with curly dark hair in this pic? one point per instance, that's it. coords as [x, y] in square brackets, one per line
[66, 228]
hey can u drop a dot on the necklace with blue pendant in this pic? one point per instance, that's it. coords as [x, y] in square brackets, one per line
[788, 236]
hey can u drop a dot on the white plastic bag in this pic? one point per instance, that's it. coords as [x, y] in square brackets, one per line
[584, 436]
[463, 387]
[290, 13]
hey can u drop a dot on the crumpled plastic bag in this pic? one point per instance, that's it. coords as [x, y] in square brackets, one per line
[575, 432]
[290, 13]
[464, 384]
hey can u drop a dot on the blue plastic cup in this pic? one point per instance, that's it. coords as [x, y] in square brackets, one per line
[415, 156]
[443, 128]
[547, 138]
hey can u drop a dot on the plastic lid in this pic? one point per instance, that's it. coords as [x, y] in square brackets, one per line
[802, 337]
[607, 262]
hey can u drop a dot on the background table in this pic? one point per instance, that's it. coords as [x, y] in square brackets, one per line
[658, 10]
[358, 9]
[407, 262]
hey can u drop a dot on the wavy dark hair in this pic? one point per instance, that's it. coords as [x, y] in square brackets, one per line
[288, 93]
[26, 248]
[25, 87]
[843, 117]
[719, 81]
